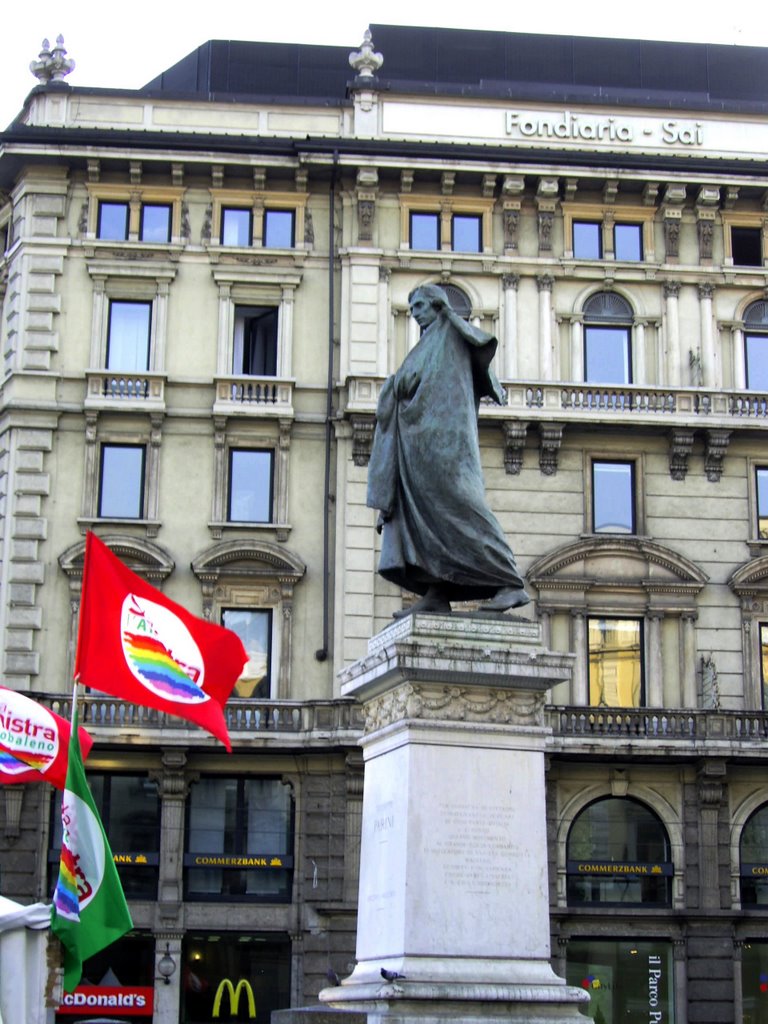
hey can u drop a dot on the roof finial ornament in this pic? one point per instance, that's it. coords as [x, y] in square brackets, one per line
[52, 65]
[366, 61]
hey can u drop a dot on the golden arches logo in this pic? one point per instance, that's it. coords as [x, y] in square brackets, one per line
[234, 997]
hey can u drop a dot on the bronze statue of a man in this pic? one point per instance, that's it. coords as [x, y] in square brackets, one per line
[439, 538]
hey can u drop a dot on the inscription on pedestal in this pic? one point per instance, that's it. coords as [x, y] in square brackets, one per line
[475, 850]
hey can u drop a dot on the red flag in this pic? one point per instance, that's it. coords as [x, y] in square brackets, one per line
[136, 643]
[34, 741]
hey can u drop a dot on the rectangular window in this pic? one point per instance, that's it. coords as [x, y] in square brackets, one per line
[761, 488]
[756, 354]
[587, 240]
[607, 355]
[466, 232]
[234, 977]
[747, 247]
[764, 663]
[615, 663]
[279, 229]
[254, 627]
[250, 486]
[425, 230]
[239, 840]
[155, 223]
[129, 807]
[113, 221]
[628, 241]
[627, 979]
[236, 226]
[254, 350]
[613, 497]
[128, 336]
[121, 481]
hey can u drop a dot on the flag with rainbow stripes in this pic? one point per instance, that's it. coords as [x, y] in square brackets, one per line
[89, 911]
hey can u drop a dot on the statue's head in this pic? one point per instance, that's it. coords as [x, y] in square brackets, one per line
[425, 303]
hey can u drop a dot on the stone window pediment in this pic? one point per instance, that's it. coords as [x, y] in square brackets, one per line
[250, 575]
[147, 560]
[751, 579]
[595, 567]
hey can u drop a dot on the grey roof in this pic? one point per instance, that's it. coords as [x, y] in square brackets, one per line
[474, 63]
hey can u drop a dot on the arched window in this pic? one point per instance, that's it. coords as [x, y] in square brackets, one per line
[753, 855]
[459, 300]
[617, 853]
[756, 345]
[607, 339]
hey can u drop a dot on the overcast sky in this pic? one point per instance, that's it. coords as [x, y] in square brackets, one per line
[127, 47]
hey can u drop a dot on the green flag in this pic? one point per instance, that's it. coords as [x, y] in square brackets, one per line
[89, 911]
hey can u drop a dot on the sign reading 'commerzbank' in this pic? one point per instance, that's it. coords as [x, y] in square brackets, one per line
[584, 129]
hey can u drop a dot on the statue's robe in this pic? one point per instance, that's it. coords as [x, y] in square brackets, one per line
[425, 474]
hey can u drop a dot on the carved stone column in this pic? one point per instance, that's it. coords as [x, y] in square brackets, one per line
[655, 679]
[739, 357]
[708, 369]
[384, 323]
[579, 679]
[688, 625]
[510, 284]
[672, 332]
[577, 347]
[544, 284]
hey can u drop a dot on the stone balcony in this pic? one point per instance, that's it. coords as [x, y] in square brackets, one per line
[251, 723]
[572, 404]
[129, 392]
[317, 724]
[255, 396]
[656, 731]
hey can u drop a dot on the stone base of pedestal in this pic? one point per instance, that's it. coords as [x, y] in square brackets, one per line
[405, 1002]
[453, 863]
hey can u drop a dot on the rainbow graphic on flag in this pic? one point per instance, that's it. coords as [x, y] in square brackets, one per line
[66, 898]
[151, 660]
[11, 764]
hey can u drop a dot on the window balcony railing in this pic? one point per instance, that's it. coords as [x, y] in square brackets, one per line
[688, 727]
[107, 389]
[295, 723]
[625, 402]
[260, 396]
[619, 403]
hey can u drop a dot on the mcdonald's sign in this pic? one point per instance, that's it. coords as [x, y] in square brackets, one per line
[225, 985]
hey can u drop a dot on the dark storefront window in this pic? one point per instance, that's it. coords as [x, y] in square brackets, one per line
[239, 840]
[117, 985]
[626, 980]
[129, 807]
[618, 853]
[754, 860]
[754, 982]
[231, 977]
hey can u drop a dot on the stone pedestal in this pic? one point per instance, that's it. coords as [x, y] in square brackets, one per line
[453, 866]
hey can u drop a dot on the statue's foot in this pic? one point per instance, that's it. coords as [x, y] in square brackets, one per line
[506, 598]
[434, 601]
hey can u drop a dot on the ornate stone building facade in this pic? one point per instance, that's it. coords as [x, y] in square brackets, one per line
[205, 283]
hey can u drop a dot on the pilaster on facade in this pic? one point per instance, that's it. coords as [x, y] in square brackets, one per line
[25, 484]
